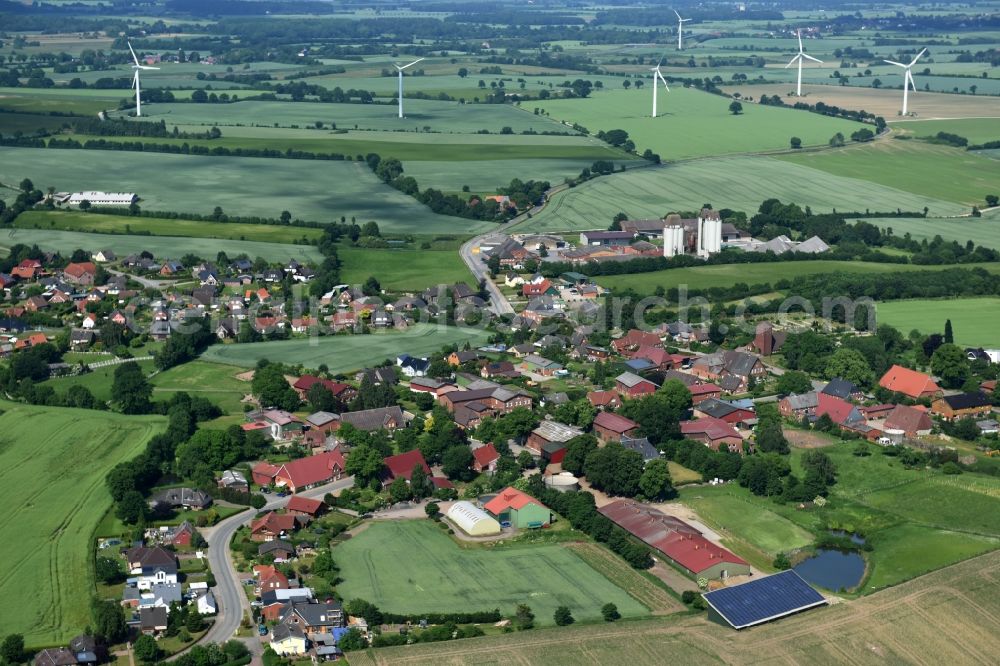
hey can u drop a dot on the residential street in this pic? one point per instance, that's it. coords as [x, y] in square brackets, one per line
[498, 303]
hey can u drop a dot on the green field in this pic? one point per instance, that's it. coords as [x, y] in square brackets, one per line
[162, 247]
[73, 220]
[974, 319]
[694, 123]
[725, 275]
[909, 550]
[310, 190]
[214, 381]
[343, 353]
[949, 174]
[402, 270]
[440, 577]
[983, 230]
[490, 175]
[739, 183]
[52, 467]
[976, 130]
[97, 381]
[28, 123]
[766, 531]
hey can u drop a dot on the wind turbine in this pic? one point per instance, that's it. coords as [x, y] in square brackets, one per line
[658, 75]
[907, 77]
[800, 56]
[135, 79]
[680, 30]
[400, 70]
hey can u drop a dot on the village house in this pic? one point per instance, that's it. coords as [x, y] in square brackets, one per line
[907, 422]
[733, 371]
[549, 439]
[630, 385]
[635, 339]
[401, 466]
[234, 480]
[151, 566]
[302, 473]
[604, 399]
[910, 383]
[797, 406]
[724, 411]
[962, 406]
[278, 549]
[303, 506]
[342, 392]
[485, 459]
[843, 389]
[186, 498]
[80, 273]
[611, 427]
[540, 365]
[380, 418]
[702, 392]
[713, 433]
[499, 369]
[273, 526]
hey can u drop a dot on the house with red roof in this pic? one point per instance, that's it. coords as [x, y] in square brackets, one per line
[27, 269]
[631, 385]
[531, 289]
[909, 382]
[273, 526]
[341, 391]
[269, 579]
[303, 506]
[635, 339]
[703, 392]
[905, 421]
[301, 473]
[713, 433]
[658, 356]
[840, 411]
[485, 459]
[604, 399]
[611, 427]
[401, 466]
[514, 508]
[684, 545]
[83, 272]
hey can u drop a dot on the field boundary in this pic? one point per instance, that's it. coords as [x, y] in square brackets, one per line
[612, 567]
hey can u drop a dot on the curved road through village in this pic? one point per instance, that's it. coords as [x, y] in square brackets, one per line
[232, 601]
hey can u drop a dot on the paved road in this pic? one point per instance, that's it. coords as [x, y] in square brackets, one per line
[498, 302]
[229, 595]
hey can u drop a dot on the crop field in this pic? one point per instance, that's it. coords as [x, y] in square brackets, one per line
[641, 588]
[948, 174]
[880, 101]
[949, 616]
[974, 320]
[310, 190]
[53, 462]
[739, 183]
[28, 123]
[983, 230]
[694, 123]
[441, 577]
[402, 270]
[343, 353]
[74, 220]
[976, 130]
[726, 275]
[438, 116]
[58, 99]
[162, 247]
[214, 381]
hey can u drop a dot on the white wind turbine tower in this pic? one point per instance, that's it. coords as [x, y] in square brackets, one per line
[135, 79]
[907, 77]
[799, 57]
[657, 78]
[680, 30]
[400, 70]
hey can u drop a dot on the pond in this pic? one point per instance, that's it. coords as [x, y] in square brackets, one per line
[834, 569]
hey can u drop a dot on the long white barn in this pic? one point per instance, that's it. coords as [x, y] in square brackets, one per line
[103, 198]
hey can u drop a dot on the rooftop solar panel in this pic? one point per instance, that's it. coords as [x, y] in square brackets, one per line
[764, 599]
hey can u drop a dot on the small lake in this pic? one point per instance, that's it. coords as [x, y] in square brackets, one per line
[834, 569]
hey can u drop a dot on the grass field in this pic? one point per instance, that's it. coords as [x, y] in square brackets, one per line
[949, 174]
[321, 191]
[976, 130]
[403, 270]
[162, 247]
[97, 381]
[73, 220]
[694, 123]
[489, 175]
[214, 381]
[949, 616]
[725, 275]
[983, 230]
[343, 353]
[53, 462]
[10, 123]
[974, 319]
[739, 183]
[681, 475]
[440, 577]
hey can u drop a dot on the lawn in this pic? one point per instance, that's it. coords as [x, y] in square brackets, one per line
[974, 320]
[910, 550]
[440, 577]
[941, 172]
[725, 275]
[52, 467]
[214, 381]
[681, 475]
[693, 123]
[983, 230]
[310, 190]
[739, 183]
[162, 247]
[404, 269]
[343, 353]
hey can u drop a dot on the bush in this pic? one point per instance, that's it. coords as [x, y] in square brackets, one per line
[563, 616]
[688, 597]
[610, 612]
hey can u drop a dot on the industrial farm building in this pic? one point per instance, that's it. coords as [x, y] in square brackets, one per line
[472, 520]
[681, 543]
[101, 198]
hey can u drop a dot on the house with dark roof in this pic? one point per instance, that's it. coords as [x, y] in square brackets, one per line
[642, 446]
[843, 389]
[187, 498]
[412, 366]
[503, 369]
[795, 406]
[153, 621]
[55, 657]
[611, 427]
[905, 421]
[733, 371]
[279, 549]
[724, 411]
[380, 418]
[551, 433]
[909, 382]
[962, 406]
[313, 618]
[401, 466]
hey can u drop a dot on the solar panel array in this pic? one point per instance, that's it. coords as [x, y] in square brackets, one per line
[764, 599]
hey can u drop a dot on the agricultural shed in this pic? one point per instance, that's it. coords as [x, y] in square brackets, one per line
[763, 600]
[472, 520]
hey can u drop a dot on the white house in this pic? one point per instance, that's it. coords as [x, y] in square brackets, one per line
[206, 604]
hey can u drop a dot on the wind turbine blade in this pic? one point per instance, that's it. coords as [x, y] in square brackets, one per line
[136, 59]
[909, 78]
[145, 67]
[135, 79]
[792, 61]
[798, 33]
[409, 65]
[922, 52]
[893, 62]
[664, 81]
[809, 57]
[678, 15]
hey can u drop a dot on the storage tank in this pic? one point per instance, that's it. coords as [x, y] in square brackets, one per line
[562, 482]
[673, 241]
